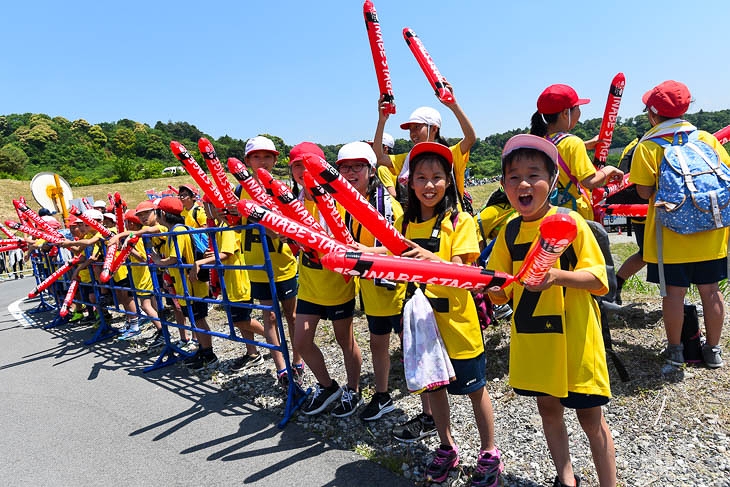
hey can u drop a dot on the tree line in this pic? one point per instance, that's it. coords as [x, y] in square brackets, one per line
[126, 150]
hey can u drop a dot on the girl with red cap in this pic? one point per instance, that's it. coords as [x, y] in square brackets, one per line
[558, 111]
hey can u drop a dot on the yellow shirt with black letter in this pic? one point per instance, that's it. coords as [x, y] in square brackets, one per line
[555, 349]
[197, 289]
[458, 322]
[238, 285]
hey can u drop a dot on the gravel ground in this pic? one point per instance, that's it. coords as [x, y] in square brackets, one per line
[669, 429]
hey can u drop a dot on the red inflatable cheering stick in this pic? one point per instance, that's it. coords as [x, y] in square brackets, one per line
[34, 232]
[249, 183]
[289, 228]
[34, 218]
[219, 176]
[356, 204]
[557, 232]
[54, 277]
[69, 298]
[377, 47]
[376, 266]
[428, 66]
[610, 116]
[96, 225]
[106, 272]
[192, 167]
[121, 256]
[119, 208]
[328, 209]
[723, 135]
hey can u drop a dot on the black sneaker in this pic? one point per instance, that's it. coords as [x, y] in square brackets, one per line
[419, 427]
[321, 398]
[204, 360]
[155, 341]
[380, 404]
[350, 399]
[192, 358]
[243, 363]
[558, 483]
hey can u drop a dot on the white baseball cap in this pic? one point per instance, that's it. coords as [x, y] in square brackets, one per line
[110, 216]
[99, 204]
[429, 116]
[94, 214]
[356, 151]
[260, 143]
[388, 140]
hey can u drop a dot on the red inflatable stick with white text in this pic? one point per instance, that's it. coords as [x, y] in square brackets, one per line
[249, 183]
[289, 228]
[14, 245]
[34, 232]
[119, 208]
[328, 209]
[723, 135]
[95, 224]
[377, 266]
[53, 277]
[73, 287]
[377, 47]
[428, 66]
[34, 218]
[627, 210]
[600, 194]
[219, 176]
[610, 116]
[356, 204]
[122, 255]
[192, 167]
[106, 272]
[557, 232]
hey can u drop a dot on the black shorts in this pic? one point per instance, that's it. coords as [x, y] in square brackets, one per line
[682, 275]
[383, 325]
[638, 229]
[124, 283]
[573, 401]
[200, 309]
[284, 290]
[332, 313]
[471, 375]
[240, 313]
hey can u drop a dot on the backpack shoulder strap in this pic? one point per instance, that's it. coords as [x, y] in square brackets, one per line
[510, 234]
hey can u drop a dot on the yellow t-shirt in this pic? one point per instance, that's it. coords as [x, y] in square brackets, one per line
[460, 162]
[141, 273]
[554, 348]
[283, 262]
[197, 289]
[194, 217]
[573, 152]
[318, 285]
[386, 177]
[238, 285]
[459, 326]
[378, 300]
[678, 248]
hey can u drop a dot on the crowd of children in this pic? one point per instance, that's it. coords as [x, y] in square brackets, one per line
[556, 352]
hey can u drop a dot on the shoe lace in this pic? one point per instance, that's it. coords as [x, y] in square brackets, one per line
[346, 397]
[442, 457]
[487, 464]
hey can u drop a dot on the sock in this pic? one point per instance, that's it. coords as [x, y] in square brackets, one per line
[619, 282]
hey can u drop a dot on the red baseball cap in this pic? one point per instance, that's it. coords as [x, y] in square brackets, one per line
[131, 216]
[435, 147]
[556, 98]
[145, 205]
[170, 204]
[297, 152]
[669, 99]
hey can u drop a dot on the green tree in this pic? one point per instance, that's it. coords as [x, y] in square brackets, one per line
[97, 135]
[13, 159]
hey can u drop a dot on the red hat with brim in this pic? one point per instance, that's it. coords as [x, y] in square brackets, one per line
[298, 151]
[131, 216]
[670, 99]
[170, 205]
[145, 205]
[556, 98]
[432, 147]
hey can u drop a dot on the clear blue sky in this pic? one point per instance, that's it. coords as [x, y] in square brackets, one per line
[303, 70]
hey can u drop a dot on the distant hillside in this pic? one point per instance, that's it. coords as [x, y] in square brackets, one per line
[126, 150]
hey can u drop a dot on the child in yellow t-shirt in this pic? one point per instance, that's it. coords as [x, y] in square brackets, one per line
[435, 234]
[556, 353]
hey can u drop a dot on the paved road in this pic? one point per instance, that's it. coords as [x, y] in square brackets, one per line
[72, 415]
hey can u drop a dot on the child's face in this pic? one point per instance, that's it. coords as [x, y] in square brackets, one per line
[357, 174]
[261, 160]
[528, 184]
[419, 132]
[297, 172]
[429, 182]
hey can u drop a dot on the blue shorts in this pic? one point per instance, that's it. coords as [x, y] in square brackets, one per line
[284, 290]
[573, 401]
[332, 313]
[471, 375]
[383, 325]
[240, 313]
[682, 275]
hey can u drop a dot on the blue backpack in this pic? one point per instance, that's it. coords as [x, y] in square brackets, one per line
[694, 186]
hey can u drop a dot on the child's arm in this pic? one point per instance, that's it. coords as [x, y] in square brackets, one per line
[381, 157]
[575, 279]
[208, 259]
[470, 135]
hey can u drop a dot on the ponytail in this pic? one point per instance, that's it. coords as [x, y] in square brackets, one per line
[539, 123]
